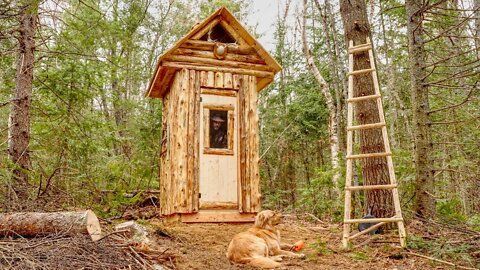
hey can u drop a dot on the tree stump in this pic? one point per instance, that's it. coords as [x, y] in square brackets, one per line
[32, 224]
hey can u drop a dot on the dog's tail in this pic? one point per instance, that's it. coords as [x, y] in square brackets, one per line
[263, 262]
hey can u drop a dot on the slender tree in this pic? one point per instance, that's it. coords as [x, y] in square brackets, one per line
[20, 114]
[425, 202]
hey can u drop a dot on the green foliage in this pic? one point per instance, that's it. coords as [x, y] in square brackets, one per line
[360, 256]
[442, 249]
[320, 247]
[92, 130]
[474, 222]
[450, 210]
[317, 198]
[418, 243]
[237, 7]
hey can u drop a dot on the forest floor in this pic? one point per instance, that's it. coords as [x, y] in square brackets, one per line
[203, 246]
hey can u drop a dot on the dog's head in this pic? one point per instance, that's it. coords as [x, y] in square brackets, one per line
[267, 218]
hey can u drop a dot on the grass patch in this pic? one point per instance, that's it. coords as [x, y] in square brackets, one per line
[360, 256]
[320, 247]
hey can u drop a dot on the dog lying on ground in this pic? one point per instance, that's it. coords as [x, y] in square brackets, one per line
[260, 246]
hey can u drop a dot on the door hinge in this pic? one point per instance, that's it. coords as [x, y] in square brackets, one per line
[199, 195]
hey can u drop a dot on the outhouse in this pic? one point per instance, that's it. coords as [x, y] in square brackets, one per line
[209, 82]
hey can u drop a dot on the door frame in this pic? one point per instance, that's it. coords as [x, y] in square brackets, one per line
[233, 134]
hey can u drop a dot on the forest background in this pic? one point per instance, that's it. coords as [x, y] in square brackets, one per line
[92, 136]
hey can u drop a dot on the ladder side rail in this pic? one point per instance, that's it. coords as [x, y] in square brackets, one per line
[386, 142]
[349, 169]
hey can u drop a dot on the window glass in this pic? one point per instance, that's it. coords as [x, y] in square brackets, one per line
[218, 129]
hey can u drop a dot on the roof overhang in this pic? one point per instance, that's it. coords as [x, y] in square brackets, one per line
[165, 70]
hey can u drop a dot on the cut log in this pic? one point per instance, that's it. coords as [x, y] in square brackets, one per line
[32, 224]
[136, 232]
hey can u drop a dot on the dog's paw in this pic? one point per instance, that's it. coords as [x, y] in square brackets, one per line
[277, 258]
[302, 256]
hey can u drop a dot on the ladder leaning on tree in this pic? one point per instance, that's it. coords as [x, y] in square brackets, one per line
[350, 156]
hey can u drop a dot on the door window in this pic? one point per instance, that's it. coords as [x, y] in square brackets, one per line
[218, 129]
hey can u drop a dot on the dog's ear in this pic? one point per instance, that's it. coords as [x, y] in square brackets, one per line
[263, 218]
[260, 220]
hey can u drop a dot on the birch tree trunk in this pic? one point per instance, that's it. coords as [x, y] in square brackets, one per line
[374, 170]
[329, 26]
[333, 123]
[19, 132]
[424, 200]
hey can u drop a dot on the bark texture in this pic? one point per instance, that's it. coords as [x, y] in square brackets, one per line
[20, 114]
[32, 224]
[424, 200]
[374, 170]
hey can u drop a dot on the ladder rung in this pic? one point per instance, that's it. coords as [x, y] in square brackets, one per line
[361, 71]
[380, 224]
[369, 155]
[370, 187]
[366, 126]
[360, 48]
[372, 220]
[355, 99]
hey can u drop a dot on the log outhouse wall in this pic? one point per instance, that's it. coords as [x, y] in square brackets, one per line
[179, 175]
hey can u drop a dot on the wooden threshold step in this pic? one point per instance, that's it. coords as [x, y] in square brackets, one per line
[355, 99]
[366, 126]
[371, 187]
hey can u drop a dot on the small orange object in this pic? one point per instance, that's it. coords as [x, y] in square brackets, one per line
[298, 245]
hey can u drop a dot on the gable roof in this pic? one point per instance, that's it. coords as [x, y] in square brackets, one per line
[246, 44]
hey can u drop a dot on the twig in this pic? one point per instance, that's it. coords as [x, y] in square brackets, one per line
[316, 218]
[463, 240]
[114, 232]
[440, 261]
[456, 105]
[143, 261]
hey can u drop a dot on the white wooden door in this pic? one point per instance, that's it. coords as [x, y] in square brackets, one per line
[218, 162]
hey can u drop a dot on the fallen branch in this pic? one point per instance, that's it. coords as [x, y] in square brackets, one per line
[440, 261]
[315, 218]
[112, 233]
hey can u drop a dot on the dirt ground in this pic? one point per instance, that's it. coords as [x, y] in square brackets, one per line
[203, 246]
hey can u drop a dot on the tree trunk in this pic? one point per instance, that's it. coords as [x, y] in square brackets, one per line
[20, 113]
[374, 170]
[31, 224]
[477, 26]
[333, 123]
[425, 202]
[331, 41]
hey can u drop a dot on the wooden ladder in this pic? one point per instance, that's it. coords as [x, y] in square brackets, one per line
[350, 156]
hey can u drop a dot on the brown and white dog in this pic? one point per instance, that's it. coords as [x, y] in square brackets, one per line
[260, 246]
